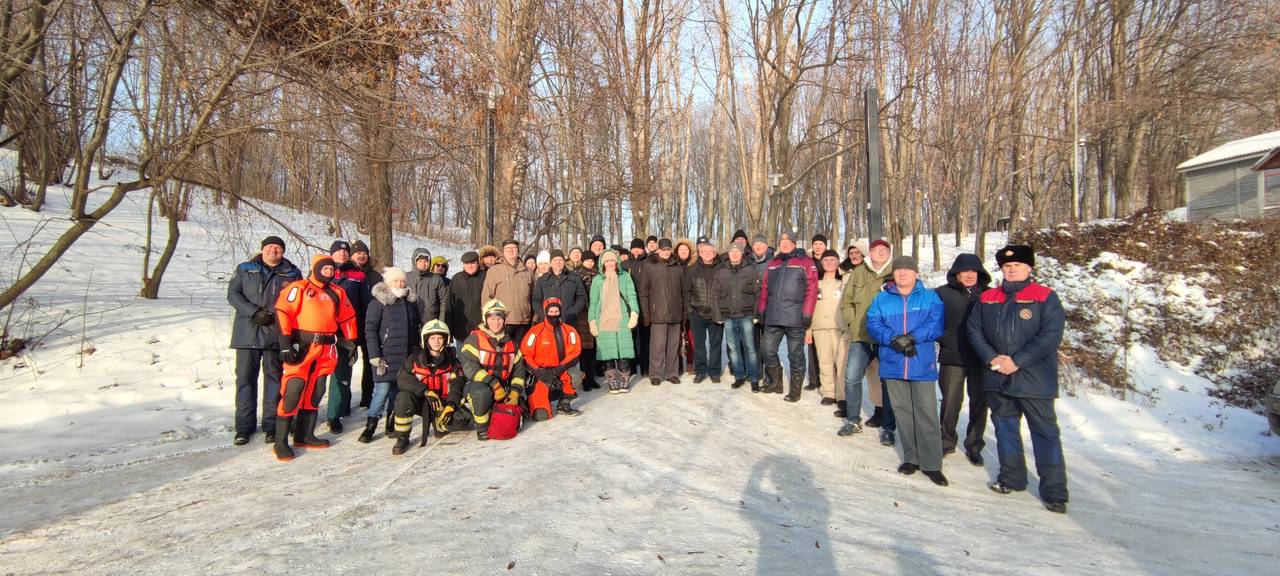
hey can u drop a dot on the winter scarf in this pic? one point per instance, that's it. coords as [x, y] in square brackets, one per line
[611, 301]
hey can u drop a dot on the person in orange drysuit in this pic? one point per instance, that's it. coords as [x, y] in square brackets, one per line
[315, 318]
[549, 349]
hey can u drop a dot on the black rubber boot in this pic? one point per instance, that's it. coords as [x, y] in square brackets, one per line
[755, 386]
[775, 380]
[283, 452]
[305, 431]
[370, 426]
[335, 425]
[390, 428]
[842, 408]
[796, 385]
[482, 434]
[402, 444]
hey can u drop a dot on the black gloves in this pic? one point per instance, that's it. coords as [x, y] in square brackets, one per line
[289, 351]
[904, 344]
[263, 318]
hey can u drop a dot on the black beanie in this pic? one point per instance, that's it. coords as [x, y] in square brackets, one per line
[1016, 253]
[819, 238]
[339, 245]
[637, 243]
[739, 234]
[269, 240]
[359, 246]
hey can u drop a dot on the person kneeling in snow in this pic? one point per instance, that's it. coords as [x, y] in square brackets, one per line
[311, 314]
[1016, 329]
[550, 348]
[493, 366]
[430, 384]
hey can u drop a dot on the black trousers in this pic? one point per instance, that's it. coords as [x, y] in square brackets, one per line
[366, 378]
[249, 363]
[1046, 444]
[954, 382]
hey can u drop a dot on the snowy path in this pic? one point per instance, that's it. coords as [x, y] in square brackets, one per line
[688, 479]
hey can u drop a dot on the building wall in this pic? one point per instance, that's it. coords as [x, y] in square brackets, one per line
[1224, 192]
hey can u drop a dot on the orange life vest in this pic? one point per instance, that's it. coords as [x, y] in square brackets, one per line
[435, 378]
[497, 362]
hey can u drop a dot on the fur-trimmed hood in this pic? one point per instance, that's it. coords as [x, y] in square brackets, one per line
[383, 293]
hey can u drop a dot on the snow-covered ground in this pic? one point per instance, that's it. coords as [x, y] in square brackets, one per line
[120, 460]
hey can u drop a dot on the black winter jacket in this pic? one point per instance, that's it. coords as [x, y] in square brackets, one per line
[391, 328]
[661, 290]
[699, 288]
[255, 286]
[737, 289]
[954, 348]
[464, 303]
[351, 279]
[1025, 321]
[568, 288]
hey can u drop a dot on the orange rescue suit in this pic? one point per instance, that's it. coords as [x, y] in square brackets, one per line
[314, 314]
[541, 351]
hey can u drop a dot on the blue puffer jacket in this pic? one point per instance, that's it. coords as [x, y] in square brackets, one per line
[1022, 320]
[920, 314]
[391, 327]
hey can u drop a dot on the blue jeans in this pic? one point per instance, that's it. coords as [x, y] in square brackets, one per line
[384, 397]
[708, 346]
[744, 363]
[855, 370]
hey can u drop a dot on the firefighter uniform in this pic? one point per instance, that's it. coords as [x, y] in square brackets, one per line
[430, 385]
[315, 318]
[493, 368]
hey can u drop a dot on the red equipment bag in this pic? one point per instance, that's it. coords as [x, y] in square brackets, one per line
[505, 421]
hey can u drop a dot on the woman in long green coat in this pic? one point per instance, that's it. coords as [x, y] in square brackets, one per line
[614, 312]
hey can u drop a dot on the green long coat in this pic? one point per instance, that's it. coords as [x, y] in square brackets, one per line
[614, 342]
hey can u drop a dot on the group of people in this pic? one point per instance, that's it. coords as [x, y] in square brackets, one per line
[502, 335]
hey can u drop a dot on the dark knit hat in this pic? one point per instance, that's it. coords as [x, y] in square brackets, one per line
[761, 239]
[269, 240]
[618, 248]
[557, 253]
[906, 262]
[510, 241]
[1016, 253]
[470, 256]
[637, 243]
[651, 238]
[819, 238]
[740, 233]
[597, 238]
[879, 242]
[359, 246]
[588, 255]
[830, 254]
[339, 245]
[664, 243]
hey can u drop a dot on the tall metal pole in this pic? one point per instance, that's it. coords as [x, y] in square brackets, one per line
[1075, 137]
[492, 161]
[874, 226]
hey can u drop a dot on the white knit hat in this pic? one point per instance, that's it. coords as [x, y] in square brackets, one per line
[544, 257]
[392, 273]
